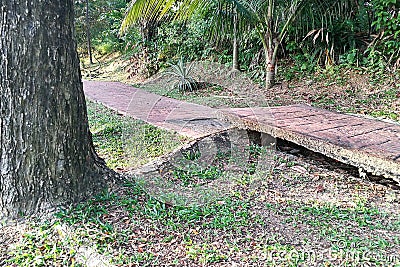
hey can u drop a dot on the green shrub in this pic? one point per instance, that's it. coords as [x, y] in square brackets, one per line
[181, 74]
[105, 48]
[384, 52]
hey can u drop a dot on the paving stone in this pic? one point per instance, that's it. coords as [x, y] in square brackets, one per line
[187, 119]
[369, 144]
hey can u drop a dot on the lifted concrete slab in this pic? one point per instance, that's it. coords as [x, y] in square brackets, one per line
[369, 144]
[188, 119]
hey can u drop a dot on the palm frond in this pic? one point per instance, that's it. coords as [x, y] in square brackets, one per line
[145, 11]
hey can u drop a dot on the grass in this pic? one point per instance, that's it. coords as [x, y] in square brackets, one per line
[108, 67]
[199, 229]
[194, 175]
[127, 143]
[219, 87]
[209, 95]
[149, 223]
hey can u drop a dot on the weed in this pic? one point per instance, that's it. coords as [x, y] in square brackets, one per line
[195, 175]
[204, 254]
[44, 244]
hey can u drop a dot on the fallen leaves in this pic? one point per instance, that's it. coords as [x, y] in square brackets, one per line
[299, 169]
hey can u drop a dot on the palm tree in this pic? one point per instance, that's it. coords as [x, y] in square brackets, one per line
[272, 19]
[147, 13]
[227, 24]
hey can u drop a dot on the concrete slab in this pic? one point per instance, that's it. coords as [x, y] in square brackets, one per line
[185, 118]
[369, 144]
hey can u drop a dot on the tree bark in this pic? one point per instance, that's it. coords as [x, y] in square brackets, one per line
[269, 48]
[270, 69]
[235, 60]
[46, 152]
[235, 53]
[270, 79]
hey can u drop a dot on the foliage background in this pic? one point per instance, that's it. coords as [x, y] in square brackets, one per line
[366, 38]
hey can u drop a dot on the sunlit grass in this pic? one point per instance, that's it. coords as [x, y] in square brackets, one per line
[126, 143]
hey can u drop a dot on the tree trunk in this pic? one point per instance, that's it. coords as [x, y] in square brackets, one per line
[235, 54]
[270, 79]
[270, 63]
[235, 61]
[269, 49]
[89, 43]
[270, 71]
[46, 152]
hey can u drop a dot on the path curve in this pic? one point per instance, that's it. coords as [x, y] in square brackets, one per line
[187, 119]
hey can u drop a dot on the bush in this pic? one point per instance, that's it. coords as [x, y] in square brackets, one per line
[385, 49]
[181, 74]
[105, 17]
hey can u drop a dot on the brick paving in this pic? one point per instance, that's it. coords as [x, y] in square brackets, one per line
[185, 118]
[372, 145]
[369, 144]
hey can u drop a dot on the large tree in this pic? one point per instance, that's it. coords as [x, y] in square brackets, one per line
[46, 153]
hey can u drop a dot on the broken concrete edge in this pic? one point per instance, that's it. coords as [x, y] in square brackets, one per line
[370, 163]
[160, 161]
[151, 176]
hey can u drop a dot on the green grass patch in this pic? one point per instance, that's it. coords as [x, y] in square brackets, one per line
[45, 244]
[125, 142]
